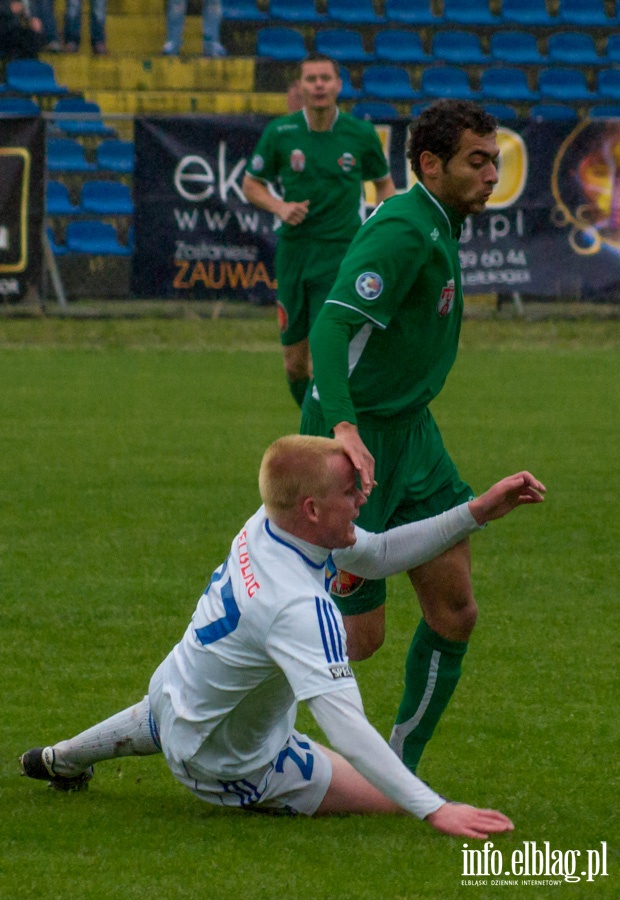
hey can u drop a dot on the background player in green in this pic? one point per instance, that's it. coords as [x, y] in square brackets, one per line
[382, 347]
[318, 159]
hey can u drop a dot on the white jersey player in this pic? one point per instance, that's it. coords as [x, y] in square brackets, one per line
[266, 635]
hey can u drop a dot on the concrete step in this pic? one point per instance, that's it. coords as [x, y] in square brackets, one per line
[182, 101]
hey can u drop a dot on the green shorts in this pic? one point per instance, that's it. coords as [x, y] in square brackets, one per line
[415, 479]
[306, 272]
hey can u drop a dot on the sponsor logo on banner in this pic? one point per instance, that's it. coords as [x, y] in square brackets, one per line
[446, 301]
[347, 162]
[345, 584]
[369, 285]
[298, 161]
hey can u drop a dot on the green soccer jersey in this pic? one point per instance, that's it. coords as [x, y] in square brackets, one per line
[391, 322]
[325, 167]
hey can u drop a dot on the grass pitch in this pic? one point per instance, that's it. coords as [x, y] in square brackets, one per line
[128, 463]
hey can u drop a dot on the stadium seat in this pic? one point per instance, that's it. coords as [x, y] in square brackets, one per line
[348, 92]
[553, 112]
[573, 48]
[244, 11]
[612, 51]
[565, 85]
[506, 85]
[526, 12]
[397, 46]
[115, 156]
[67, 155]
[95, 238]
[609, 84]
[417, 109]
[502, 111]
[518, 48]
[388, 83]
[295, 11]
[604, 111]
[447, 81]
[411, 12]
[469, 12]
[284, 44]
[31, 76]
[374, 109]
[18, 106]
[91, 125]
[106, 198]
[354, 12]
[587, 13]
[458, 48]
[57, 249]
[58, 201]
[343, 45]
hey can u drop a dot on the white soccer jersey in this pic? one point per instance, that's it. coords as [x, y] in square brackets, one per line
[265, 634]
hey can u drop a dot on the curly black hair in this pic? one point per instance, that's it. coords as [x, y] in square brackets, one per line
[439, 127]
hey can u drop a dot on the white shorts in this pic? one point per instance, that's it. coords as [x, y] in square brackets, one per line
[294, 782]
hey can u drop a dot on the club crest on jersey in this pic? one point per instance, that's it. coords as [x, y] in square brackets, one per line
[347, 162]
[282, 317]
[345, 584]
[369, 285]
[298, 161]
[446, 301]
[258, 163]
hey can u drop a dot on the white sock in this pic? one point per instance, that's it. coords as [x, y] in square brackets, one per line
[132, 732]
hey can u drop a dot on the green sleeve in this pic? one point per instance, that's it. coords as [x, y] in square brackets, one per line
[331, 334]
[263, 162]
[374, 163]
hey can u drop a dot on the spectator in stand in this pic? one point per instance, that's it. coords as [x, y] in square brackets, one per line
[211, 20]
[73, 26]
[21, 35]
[45, 12]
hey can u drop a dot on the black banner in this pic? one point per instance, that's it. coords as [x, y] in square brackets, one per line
[551, 229]
[22, 185]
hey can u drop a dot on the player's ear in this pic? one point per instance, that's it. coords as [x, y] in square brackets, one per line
[310, 510]
[430, 164]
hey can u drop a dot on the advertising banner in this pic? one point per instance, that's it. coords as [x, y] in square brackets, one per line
[22, 182]
[551, 228]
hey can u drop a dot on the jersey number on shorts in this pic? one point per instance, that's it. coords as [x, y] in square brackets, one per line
[218, 629]
[305, 766]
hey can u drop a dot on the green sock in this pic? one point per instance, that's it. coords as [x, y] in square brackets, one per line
[298, 389]
[432, 671]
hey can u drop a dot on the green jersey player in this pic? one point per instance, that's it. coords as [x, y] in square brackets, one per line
[382, 348]
[318, 158]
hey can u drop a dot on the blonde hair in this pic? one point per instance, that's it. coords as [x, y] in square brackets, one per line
[295, 466]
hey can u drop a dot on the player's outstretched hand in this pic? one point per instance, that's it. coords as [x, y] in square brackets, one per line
[468, 821]
[506, 495]
[363, 461]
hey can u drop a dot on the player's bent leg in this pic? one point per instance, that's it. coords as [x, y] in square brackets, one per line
[349, 792]
[298, 368]
[433, 665]
[365, 633]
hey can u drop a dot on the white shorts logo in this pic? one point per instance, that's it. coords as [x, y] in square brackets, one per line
[258, 163]
[369, 285]
[446, 301]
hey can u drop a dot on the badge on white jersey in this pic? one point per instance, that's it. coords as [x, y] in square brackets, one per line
[446, 301]
[346, 584]
[298, 161]
[369, 285]
[347, 162]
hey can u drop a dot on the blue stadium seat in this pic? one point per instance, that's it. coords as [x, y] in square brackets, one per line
[526, 12]
[553, 112]
[31, 76]
[106, 198]
[19, 106]
[506, 85]
[67, 155]
[609, 84]
[57, 249]
[604, 111]
[244, 11]
[94, 238]
[374, 109]
[399, 46]
[587, 13]
[115, 156]
[355, 12]
[573, 48]
[57, 200]
[469, 12]
[612, 51]
[417, 109]
[91, 125]
[284, 44]
[518, 48]
[343, 45]
[565, 85]
[447, 81]
[388, 83]
[502, 111]
[348, 92]
[411, 12]
[458, 48]
[294, 11]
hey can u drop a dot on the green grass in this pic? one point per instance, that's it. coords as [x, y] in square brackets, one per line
[129, 459]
